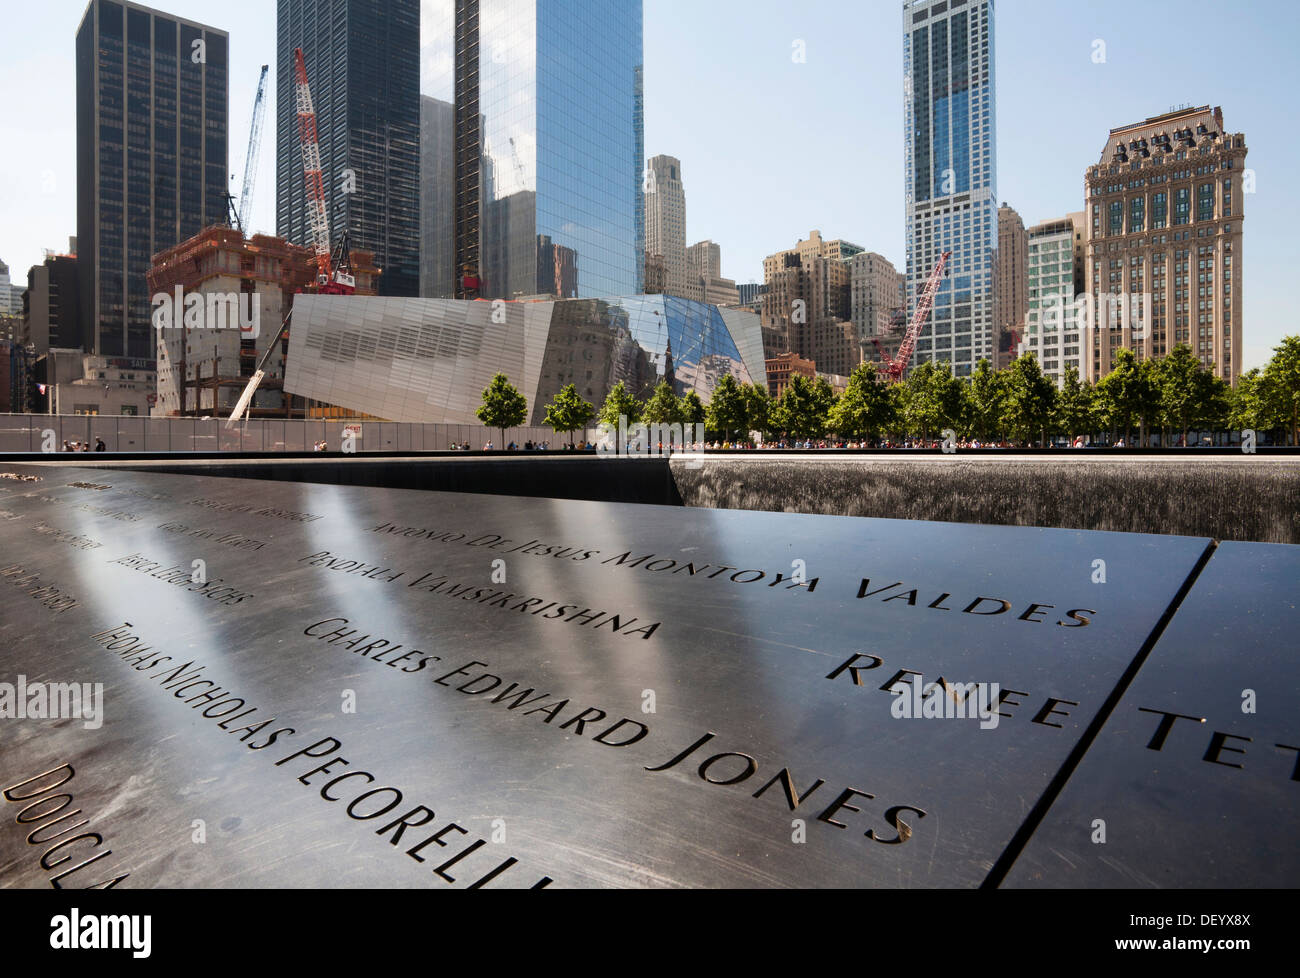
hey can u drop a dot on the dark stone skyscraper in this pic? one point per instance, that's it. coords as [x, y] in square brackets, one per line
[363, 67]
[152, 93]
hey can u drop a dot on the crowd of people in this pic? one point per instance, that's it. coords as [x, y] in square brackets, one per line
[840, 444]
[791, 444]
[528, 446]
[83, 446]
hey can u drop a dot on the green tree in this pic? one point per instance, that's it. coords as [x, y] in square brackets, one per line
[984, 398]
[1249, 407]
[568, 412]
[620, 404]
[1030, 400]
[663, 407]
[693, 410]
[931, 399]
[1214, 406]
[1281, 389]
[1076, 406]
[1150, 410]
[758, 407]
[1120, 392]
[1190, 394]
[804, 408]
[503, 406]
[865, 409]
[727, 411]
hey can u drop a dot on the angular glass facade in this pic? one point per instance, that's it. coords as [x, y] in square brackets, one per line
[363, 68]
[152, 92]
[950, 125]
[429, 360]
[549, 145]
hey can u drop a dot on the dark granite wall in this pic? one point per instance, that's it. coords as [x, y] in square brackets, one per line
[1224, 497]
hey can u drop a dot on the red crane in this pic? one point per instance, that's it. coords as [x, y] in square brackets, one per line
[895, 367]
[332, 271]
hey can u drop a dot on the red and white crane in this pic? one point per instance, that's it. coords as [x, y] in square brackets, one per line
[333, 269]
[331, 276]
[895, 367]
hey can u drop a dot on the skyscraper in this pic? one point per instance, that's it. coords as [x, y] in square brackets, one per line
[363, 67]
[877, 303]
[1010, 301]
[704, 276]
[1165, 202]
[152, 96]
[54, 306]
[665, 222]
[949, 121]
[548, 145]
[808, 305]
[437, 199]
[1051, 329]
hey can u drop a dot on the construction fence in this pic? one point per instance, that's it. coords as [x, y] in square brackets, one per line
[48, 433]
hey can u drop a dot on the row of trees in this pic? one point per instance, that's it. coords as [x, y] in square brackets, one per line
[1172, 394]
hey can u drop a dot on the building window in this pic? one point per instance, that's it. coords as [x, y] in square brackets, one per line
[1137, 215]
[1182, 206]
[1205, 202]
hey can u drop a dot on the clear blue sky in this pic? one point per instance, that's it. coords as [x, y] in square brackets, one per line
[771, 148]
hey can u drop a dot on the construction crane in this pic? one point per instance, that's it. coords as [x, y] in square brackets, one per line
[254, 152]
[895, 367]
[333, 268]
[330, 279]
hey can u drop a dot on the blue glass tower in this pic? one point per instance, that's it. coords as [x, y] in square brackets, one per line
[950, 160]
[548, 146]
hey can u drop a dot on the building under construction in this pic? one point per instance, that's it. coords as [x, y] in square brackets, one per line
[205, 358]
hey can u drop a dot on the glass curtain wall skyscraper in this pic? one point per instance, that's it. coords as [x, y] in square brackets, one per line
[152, 95]
[549, 144]
[363, 68]
[950, 160]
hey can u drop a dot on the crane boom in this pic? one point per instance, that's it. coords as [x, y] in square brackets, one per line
[318, 231]
[333, 271]
[895, 367]
[254, 151]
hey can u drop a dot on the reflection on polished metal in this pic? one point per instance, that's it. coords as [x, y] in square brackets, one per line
[308, 685]
[429, 360]
[1193, 780]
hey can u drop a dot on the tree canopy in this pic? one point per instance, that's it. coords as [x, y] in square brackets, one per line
[503, 406]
